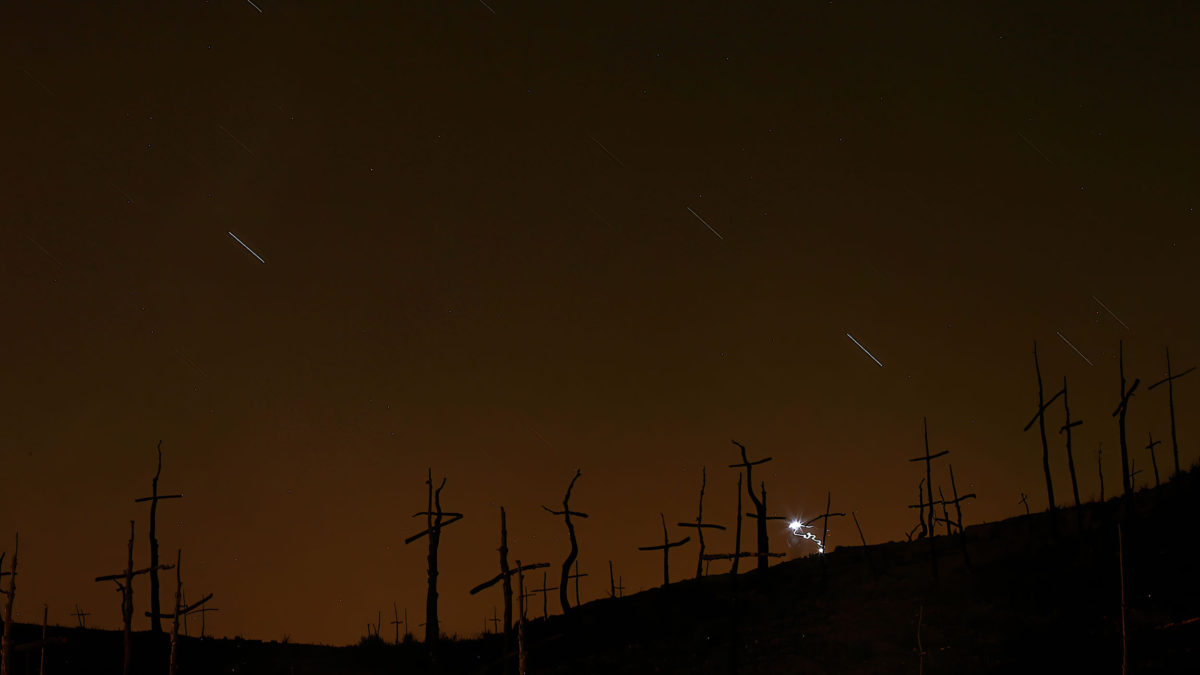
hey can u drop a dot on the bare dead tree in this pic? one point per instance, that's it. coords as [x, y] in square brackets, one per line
[945, 519]
[738, 554]
[1169, 380]
[154, 498]
[920, 506]
[508, 574]
[544, 591]
[665, 547]
[1025, 501]
[1040, 418]
[576, 577]
[396, 621]
[957, 501]
[203, 611]
[566, 513]
[760, 507]
[737, 538]
[1120, 413]
[1100, 464]
[495, 621]
[124, 582]
[1153, 459]
[863, 539]
[435, 521]
[824, 518]
[700, 525]
[6, 641]
[182, 610]
[612, 583]
[928, 459]
[505, 578]
[41, 644]
[521, 663]
[1067, 428]
[81, 617]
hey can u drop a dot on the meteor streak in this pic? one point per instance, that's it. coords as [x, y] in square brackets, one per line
[864, 349]
[1089, 362]
[235, 237]
[1110, 312]
[710, 227]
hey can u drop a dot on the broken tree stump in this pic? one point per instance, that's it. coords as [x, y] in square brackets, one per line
[1169, 380]
[435, 522]
[666, 547]
[566, 513]
[700, 525]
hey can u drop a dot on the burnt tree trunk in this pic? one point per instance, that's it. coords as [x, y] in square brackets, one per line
[155, 607]
[1042, 430]
[507, 582]
[566, 513]
[1100, 465]
[127, 608]
[1120, 413]
[1070, 454]
[760, 506]
[1153, 459]
[6, 647]
[1170, 380]
[434, 523]
[737, 537]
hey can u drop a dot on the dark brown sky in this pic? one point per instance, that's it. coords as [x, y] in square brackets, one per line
[480, 257]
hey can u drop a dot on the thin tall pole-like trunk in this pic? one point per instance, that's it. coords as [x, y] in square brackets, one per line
[1070, 455]
[507, 582]
[6, 647]
[155, 606]
[1042, 430]
[737, 536]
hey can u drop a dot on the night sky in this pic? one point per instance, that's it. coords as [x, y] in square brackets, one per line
[513, 239]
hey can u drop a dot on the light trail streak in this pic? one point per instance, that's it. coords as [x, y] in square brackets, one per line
[864, 349]
[795, 526]
[255, 6]
[710, 227]
[235, 237]
[1089, 361]
[1110, 312]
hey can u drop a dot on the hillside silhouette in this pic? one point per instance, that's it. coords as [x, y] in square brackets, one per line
[1039, 595]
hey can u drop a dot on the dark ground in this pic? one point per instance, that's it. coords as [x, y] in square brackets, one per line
[1032, 601]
